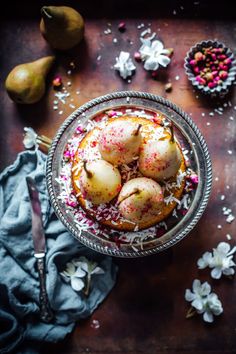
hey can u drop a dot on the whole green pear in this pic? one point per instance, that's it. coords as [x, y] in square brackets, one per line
[61, 26]
[26, 82]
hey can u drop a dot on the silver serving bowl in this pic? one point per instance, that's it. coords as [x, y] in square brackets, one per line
[189, 136]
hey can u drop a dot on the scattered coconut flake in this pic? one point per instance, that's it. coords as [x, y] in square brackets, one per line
[230, 218]
[140, 26]
[219, 227]
[229, 237]
[222, 197]
[95, 324]
[99, 57]
[107, 31]
[177, 77]
[230, 152]
[60, 112]
[114, 40]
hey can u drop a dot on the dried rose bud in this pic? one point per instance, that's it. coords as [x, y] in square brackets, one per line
[200, 80]
[111, 113]
[192, 62]
[57, 82]
[168, 87]
[213, 56]
[209, 76]
[222, 56]
[122, 26]
[154, 74]
[212, 84]
[80, 130]
[193, 178]
[215, 73]
[137, 56]
[199, 56]
[223, 75]
[227, 61]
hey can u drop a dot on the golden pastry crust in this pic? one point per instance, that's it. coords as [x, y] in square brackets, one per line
[89, 150]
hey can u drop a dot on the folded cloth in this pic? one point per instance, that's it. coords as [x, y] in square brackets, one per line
[19, 283]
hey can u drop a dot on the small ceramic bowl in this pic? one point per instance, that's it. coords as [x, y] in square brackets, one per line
[211, 67]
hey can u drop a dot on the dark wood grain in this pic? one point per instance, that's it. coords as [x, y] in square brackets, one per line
[145, 312]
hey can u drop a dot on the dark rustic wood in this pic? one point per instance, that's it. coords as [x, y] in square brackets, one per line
[145, 312]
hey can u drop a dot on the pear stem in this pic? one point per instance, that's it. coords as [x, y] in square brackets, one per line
[135, 133]
[45, 14]
[88, 173]
[172, 139]
[135, 191]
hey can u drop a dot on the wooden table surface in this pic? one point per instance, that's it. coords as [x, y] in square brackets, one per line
[145, 312]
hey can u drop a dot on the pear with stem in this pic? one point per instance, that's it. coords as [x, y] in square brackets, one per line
[160, 158]
[26, 82]
[61, 26]
[120, 141]
[99, 181]
[140, 200]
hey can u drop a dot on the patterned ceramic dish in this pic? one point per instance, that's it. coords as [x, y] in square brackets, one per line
[221, 68]
[110, 241]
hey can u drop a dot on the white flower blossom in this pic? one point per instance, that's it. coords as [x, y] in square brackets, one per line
[153, 54]
[30, 138]
[220, 260]
[124, 64]
[78, 272]
[73, 275]
[203, 301]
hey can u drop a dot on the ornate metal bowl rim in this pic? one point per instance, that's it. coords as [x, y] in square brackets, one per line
[81, 236]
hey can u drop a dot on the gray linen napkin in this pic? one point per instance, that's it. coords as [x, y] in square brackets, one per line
[19, 284]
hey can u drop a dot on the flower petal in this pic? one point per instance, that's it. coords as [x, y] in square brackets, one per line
[163, 60]
[214, 304]
[79, 273]
[84, 266]
[198, 304]
[98, 270]
[204, 261]
[157, 46]
[77, 284]
[189, 296]
[208, 317]
[228, 271]
[70, 268]
[216, 273]
[151, 64]
[223, 247]
[205, 289]
[196, 285]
